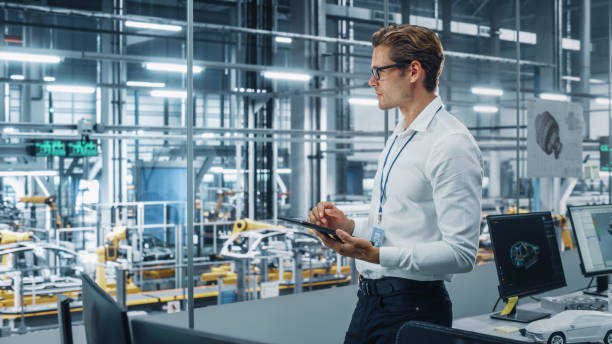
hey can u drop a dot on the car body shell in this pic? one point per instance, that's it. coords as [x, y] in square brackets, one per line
[263, 243]
[577, 326]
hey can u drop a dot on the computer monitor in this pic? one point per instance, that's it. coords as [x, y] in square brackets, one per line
[423, 332]
[105, 321]
[592, 227]
[148, 332]
[526, 257]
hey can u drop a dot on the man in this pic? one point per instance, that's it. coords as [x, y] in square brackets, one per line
[423, 223]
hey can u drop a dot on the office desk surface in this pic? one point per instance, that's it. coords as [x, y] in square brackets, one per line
[484, 324]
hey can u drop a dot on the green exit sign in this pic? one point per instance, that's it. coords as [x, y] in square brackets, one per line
[68, 149]
[604, 155]
[82, 148]
[49, 148]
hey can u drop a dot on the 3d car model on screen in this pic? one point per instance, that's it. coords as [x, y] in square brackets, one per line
[572, 327]
[524, 254]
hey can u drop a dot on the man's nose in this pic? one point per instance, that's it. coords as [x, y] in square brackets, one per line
[372, 82]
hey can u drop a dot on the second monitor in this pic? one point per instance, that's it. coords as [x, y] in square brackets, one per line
[526, 257]
[592, 226]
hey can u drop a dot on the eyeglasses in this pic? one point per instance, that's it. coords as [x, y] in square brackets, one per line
[375, 72]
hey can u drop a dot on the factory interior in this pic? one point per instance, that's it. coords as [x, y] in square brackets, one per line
[149, 149]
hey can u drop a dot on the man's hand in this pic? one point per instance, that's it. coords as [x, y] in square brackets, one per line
[327, 215]
[351, 246]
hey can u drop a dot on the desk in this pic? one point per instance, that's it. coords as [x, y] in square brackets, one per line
[484, 324]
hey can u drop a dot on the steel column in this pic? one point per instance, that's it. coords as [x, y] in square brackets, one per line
[609, 93]
[518, 99]
[190, 177]
[585, 61]
[300, 51]
[120, 285]
[386, 23]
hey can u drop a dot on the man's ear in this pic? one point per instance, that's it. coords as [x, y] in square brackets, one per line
[415, 69]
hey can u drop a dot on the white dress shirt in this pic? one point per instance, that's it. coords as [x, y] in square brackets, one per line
[431, 212]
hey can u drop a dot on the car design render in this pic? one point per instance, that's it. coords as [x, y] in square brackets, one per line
[574, 326]
[524, 254]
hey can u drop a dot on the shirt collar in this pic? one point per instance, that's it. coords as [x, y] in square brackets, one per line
[421, 122]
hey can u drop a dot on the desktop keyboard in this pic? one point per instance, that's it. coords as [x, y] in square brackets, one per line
[567, 302]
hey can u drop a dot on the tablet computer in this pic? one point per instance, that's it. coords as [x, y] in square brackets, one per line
[330, 233]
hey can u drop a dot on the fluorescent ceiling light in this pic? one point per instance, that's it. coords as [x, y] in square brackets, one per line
[9, 130]
[554, 96]
[27, 173]
[286, 76]
[570, 78]
[170, 67]
[71, 89]
[485, 108]
[169, 94]
[225, 171]
[49, 78]
[249, 90]
[152, 26]
[281, 39]
[17, 77]
[145, 84]
[577, 79]
[363, 101]
[23, 57]
[487, 91]
[600, 101]
[570, 44]
[485, 31]
[231, 171]
[208, 136]
[524, 36]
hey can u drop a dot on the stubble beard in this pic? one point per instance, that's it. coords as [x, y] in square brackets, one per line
[383, 106]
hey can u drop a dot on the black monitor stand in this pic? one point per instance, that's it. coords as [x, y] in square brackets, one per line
[601, 289]
[520, 315]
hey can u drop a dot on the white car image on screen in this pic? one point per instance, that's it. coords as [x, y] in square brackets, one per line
[575, 326]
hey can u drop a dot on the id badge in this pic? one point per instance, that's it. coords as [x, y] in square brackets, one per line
[377, 236]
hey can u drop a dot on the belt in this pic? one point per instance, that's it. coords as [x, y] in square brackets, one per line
[388, 285]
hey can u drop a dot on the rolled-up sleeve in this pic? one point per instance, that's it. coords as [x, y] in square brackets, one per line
[454, 168]
[361, 227]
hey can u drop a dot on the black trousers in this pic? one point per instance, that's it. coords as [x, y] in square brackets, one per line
[378, 316]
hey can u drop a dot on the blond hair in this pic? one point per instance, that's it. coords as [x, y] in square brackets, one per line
[413, 43]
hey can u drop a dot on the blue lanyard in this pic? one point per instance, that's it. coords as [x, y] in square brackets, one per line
[383, 187]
